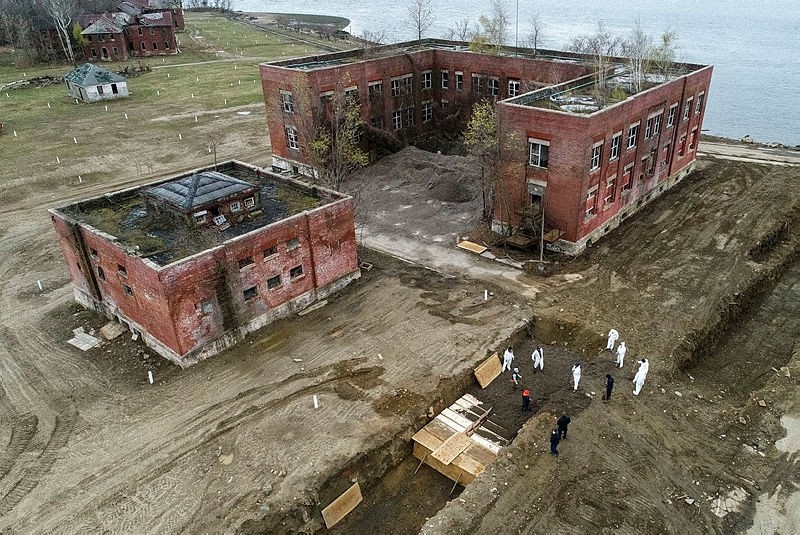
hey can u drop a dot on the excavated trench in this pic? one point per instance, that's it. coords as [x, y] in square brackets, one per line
[394, 495]
[752, 333]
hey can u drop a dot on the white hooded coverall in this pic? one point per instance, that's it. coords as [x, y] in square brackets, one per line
[538, 359]
[576, 375]
[612, 337]
[621, 349]
[508, 356]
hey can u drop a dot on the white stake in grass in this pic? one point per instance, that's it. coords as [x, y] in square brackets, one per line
[106, 107]
[316, 402]
[75, 139]
[39, 283]
[48, 105]
[180, 136]
[150, 376]
[126, 116]
[486, 295]
[58, 160]
[195, 118]
[80, 180]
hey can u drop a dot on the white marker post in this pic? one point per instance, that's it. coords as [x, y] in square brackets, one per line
[150, 376]
[486, 295]
[39, 283]
[48, 105]
[316, 402]
[158, 92]
[80, 180]
[195, 118]
[75, 139]
[180, 136]
[15, 133]
[167, 75]
[58, 160]
[126, 116]
[106, 107]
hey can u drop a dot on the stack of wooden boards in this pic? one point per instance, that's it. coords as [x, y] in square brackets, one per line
[460, 441]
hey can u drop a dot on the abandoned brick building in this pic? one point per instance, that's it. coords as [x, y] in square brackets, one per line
[578, 152]
[138, 28]
[195, 262]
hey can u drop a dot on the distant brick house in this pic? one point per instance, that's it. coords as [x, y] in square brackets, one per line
[91, 83]
[577, 163]
[192, 287]
[136, 29]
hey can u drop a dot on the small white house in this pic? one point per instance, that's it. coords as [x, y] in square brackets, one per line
[91, 83]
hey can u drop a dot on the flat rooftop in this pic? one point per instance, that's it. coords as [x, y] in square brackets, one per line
[165, 239]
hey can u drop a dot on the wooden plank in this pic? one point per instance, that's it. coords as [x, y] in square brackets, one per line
[454, 426]
[488, 370]
[469, 246]
[552, 235]
[342, 505]
[464, 470]
[451, 448]
[460, 419]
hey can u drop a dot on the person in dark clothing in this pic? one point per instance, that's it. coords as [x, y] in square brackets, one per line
[555, 438]
[562, 424]
[609, 388]
[526, 400]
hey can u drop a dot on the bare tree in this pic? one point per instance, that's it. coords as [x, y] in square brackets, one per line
[536, 34]
[214, 141]
[662, 57]
[61, 12]
[638, 51]
[602, 46]
[460, 31]
[420, 16]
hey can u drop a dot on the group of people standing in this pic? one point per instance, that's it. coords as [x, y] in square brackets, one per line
[560, 432]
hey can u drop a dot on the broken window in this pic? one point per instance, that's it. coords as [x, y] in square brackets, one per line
[408, 117]
[673, 112]
[494, 86]
[101, 274]
[99, 89]
[477, 83]
[273, 282]
[427, 111]
[127, 289]
[236, 206]
[699, 105]
[615, 141]
[396, 87]
[426, 81]
[287, 102]
[445, 76]
[459, 80]
[270, 251]
[250, 293]
[292, 139]
[246, 261]
[293, 244]
[121, 270]
[538, 152]
[633, 133]
[295, 272]
[610, 184]
[626, 177]
[375, 89]
[397, 120]
[597, 150]
[591, 201]
[376, 122]
[93, 252]
[250, 202]
[204, 307]
[687, 109]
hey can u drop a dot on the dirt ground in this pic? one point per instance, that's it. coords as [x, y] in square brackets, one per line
[704, 282]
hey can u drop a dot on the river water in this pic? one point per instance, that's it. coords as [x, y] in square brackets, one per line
[754, 45]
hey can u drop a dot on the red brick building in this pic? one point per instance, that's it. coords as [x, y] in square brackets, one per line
[587, 160]
[139, 28]
[191, 289]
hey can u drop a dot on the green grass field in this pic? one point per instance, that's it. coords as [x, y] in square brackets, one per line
[212, 86]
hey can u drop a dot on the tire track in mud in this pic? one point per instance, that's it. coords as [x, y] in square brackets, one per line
[32, 475]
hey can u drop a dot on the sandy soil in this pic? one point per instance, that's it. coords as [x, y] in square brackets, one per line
[698, 282]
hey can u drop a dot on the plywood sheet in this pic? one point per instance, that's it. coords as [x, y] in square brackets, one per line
[469, 246]
[451, 448]
[488, 370]
[342, 505]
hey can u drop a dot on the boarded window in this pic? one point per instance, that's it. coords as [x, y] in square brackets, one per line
[270, 251]
[244, 262]
[296, 271]
[273, 282]
[250, 293]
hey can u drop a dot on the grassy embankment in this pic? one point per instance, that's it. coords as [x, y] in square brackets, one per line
[197, 92]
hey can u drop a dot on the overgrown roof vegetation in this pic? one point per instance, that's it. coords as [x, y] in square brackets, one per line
[166, 237]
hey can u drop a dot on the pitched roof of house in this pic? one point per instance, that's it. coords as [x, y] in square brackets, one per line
[90, 75]
[199, 189]
[162, 18]
[106, 24]
[131, 8]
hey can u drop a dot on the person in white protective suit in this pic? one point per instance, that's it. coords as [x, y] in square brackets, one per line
[612, 337]
[576, 374]
[538, 358]
[621, 350]
[508, 356]
[641, 375]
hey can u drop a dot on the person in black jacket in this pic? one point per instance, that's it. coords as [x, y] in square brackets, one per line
[609, 388]
[562, 424]
[555, 438]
